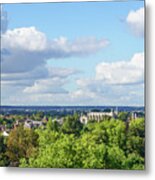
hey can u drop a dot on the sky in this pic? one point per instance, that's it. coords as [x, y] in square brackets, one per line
[85, 53]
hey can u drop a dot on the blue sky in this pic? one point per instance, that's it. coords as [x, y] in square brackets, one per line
[84, 43]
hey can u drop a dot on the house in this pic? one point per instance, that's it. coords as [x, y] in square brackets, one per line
[28, 124]
[19, 122]
[31, 123]
[37, 123]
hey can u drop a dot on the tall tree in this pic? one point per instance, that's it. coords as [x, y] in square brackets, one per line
[21, 143]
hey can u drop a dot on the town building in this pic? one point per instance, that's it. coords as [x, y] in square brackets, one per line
[97, 116]
[31, 123]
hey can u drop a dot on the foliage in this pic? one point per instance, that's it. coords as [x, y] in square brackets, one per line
[21, 143]
[71, 125]
[4, 161]
[136, 137]
[123, 116]
[108, 144]
[104, 145]
[52, 125]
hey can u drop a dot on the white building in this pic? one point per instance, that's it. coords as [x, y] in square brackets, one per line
[97, 116]
[30, 123]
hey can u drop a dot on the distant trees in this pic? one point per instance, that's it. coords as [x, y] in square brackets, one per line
[107, 110]
[38, 116]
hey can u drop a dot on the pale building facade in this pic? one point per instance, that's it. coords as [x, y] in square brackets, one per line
[97, 116]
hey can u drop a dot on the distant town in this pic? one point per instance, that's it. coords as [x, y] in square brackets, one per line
[38, 116]
[104, 137]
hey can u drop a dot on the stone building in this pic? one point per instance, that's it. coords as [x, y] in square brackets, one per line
[97, 116]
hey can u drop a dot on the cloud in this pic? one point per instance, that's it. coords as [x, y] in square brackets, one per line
[24, 68]
[122, 95]
[122, 72]
[61, 72]
[100, 90]
[28, 48]
[33, 87]
[40, 80]
[24, 78]
[23, 65]
[28, 39]
[21, 61]
[62, 47]
[49, 86]
[135, 20]
[40, 72]
[4, 20]
[116, 83]
[95, 92]
[24, 62]
[27, 78]
[53, 83]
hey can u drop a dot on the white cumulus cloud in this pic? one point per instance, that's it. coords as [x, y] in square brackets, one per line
[122, 72]
[135, 20]
[49, 85]
[28, 39]
[23, 49]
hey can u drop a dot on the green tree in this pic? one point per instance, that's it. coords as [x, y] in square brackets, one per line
[58, 153]
[105, 145]
[136, 137]
[71, 125]
[52, 125]
[4, 161]
[115, 158]
[134, 162]
[89, 154]
[123, 116]
[21, 143]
